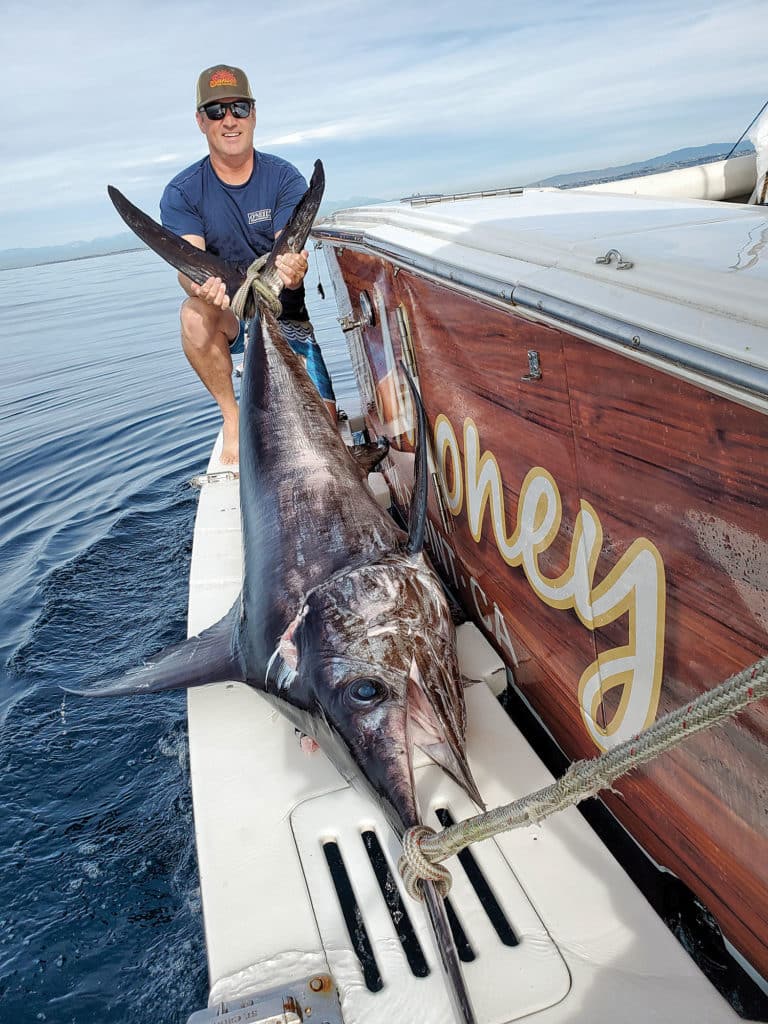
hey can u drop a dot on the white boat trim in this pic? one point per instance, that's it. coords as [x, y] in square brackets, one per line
[672, 281]
[722, 374]
[720, 180]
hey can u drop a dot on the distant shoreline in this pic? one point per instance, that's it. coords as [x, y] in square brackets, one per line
[74, 259]
[19, 258]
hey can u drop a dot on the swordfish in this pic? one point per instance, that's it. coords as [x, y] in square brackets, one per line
[341, 623]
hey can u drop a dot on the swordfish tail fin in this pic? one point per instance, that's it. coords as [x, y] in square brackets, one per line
[196, 263]
[210, 657]
[294, 236]
[199, 265]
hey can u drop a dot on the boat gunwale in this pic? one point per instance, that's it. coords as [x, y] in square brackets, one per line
[641, 343]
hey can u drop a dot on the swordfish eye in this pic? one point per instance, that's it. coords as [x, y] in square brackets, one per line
[365, 692]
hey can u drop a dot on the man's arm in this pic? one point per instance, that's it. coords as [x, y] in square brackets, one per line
[176, 213]
[214, 290]
[292, 267]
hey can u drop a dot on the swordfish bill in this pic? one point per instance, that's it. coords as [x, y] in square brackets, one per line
[341, 623]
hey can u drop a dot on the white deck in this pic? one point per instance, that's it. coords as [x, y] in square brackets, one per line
[590, 947]
[699, 273]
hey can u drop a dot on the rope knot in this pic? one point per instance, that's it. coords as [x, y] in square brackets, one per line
[260, 290]
[414, 866]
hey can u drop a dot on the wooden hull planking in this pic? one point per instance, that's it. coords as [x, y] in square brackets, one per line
[608, 534]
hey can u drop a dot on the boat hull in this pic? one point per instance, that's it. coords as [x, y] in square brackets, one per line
[603, 522]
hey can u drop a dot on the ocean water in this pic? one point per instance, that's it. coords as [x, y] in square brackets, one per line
[102, 424]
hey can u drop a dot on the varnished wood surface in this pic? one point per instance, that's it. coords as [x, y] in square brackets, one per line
[656, 458]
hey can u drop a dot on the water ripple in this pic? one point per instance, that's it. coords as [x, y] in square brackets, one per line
[101, 425]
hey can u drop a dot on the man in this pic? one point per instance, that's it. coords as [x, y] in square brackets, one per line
[235, 202]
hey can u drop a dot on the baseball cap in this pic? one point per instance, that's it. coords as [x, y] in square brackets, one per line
[220, 81]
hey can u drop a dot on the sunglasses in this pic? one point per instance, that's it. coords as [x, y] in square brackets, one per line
[216, 111]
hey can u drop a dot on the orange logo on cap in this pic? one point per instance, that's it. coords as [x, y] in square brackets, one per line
[222, 78]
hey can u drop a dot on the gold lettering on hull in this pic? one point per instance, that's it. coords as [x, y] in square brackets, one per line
[634, 587]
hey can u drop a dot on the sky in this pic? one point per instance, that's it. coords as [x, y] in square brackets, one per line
[396, 98]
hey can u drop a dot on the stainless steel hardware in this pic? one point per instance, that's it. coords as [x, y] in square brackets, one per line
[367, 315]
[534, 366]
[621, 263]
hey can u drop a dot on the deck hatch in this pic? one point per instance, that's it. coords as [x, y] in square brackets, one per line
[511, 966]
[395, 905]
[479, 883]
[353, 917]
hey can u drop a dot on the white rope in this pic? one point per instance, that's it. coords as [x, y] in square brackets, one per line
[261, 291]
[414, 866]
[585, 778]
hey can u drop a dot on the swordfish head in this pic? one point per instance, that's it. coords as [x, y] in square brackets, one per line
[368, 668]
[370, 660]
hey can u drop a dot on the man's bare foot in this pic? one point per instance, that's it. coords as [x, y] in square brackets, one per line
[230, 450]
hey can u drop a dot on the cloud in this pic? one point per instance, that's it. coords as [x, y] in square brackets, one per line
[351, 128]
[394, 98]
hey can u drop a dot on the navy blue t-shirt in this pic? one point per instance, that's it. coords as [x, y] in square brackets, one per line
[238, 222]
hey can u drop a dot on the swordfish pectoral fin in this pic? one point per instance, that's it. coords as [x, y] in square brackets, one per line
[210, 657]
[444, 756]
[367, 456]
[196, 263]
[437, 737]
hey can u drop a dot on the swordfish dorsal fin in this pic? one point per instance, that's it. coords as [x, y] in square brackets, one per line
[196, 263]
[417, 516]
[211, 657]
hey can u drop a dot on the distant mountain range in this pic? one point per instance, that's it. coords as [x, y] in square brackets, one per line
[11, 259]
[668, 162]
[127, 242]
